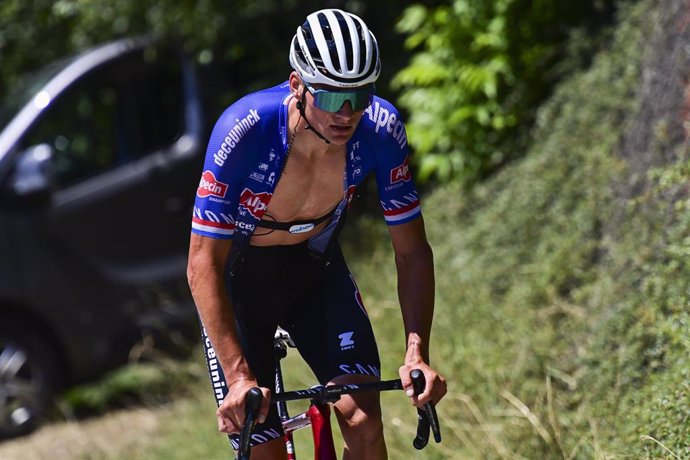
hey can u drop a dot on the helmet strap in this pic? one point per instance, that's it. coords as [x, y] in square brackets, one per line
[301, 107]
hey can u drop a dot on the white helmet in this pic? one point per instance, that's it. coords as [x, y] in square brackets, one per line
[335, 48]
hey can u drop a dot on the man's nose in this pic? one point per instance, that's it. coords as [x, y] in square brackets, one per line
[345, 109]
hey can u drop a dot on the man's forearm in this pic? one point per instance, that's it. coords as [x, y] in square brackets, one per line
[416, 294]
[217, 316]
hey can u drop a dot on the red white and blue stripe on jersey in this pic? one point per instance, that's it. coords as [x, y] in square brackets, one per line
[209, 226]
[395, 211]
[247, 149]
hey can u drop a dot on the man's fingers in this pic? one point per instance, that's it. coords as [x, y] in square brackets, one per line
[225, 425]
[434, 388]
[405, 379]
[230, 421]
[265, 405]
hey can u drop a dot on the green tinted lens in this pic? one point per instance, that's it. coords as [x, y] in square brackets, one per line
[332, 101]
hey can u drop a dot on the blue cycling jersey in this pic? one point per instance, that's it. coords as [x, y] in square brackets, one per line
[245, 156]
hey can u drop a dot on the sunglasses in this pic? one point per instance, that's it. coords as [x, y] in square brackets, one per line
[332, 101]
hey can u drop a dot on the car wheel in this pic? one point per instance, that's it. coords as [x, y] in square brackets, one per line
[27, 379]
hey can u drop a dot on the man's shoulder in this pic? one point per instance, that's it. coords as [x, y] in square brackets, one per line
[246, 127]
[259, 106]
[382, 124]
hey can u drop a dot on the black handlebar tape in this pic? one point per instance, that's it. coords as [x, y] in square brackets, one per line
[254, 399]
[429, 412]
[252, 405]
[433, 421]
[418, 381]
[422, 438]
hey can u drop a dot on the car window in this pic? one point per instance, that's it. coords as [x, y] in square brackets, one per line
[112, 116]
[27, 87]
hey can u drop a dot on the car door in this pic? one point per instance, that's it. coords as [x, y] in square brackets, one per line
[111, 240]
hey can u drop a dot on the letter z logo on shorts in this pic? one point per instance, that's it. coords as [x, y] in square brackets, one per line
[346, 342]
[209, 185]
[401, 173]
[255, 203]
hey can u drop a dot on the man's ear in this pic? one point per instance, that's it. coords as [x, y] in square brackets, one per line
[295, 84]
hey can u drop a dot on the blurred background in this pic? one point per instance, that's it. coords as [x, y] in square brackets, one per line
[549, 139]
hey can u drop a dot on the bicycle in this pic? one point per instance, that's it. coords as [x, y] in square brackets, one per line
[318, 414]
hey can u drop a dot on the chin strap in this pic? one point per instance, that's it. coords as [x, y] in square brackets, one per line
[300, 107]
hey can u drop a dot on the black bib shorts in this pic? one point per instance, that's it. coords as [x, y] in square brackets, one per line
[315, 300]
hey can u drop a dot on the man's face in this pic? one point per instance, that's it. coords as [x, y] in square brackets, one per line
[338, 126]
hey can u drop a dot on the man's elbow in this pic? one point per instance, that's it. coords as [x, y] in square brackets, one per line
[197, 262]
[192, 271]
[421, 253]
[206, 260]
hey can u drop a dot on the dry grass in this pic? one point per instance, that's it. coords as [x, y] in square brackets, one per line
[107, 436]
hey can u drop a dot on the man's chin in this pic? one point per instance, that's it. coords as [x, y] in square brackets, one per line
[339, 135]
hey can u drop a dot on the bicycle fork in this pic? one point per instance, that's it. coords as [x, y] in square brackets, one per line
[318, 416]
[321, 429]
[281, 353]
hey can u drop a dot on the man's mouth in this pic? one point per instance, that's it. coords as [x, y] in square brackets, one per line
[341, 129]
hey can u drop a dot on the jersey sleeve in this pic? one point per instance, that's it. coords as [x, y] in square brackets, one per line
[229, 158]
[397, 192]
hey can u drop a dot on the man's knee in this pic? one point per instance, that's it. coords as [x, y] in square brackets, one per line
[360, 412]
[272, 450]
[359, 418]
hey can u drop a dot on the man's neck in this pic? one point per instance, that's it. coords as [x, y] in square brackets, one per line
[306, 143]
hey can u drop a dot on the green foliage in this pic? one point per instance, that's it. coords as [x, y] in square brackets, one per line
[478, 71]
[242, 45]
[644, 342]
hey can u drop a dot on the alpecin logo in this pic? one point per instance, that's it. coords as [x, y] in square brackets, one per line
[255, 203]
[209, 185]
[401, 173]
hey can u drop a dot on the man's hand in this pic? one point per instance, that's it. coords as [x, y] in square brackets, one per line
[435, 388]
[232, 412]
[435, 384]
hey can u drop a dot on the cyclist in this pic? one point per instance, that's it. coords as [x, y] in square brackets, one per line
[281, 169]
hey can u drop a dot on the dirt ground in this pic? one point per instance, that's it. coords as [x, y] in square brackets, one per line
[90, 439]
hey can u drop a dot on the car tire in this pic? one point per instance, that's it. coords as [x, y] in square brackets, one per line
[28, 378]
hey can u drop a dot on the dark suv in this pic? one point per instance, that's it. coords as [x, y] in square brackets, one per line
[99, 158]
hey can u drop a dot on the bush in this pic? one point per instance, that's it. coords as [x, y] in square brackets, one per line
[478, 71]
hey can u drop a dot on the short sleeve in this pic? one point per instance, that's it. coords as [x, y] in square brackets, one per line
[229, 158]
[397, 192]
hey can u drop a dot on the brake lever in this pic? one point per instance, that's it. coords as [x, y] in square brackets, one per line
[427, 417]
[252, 405]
